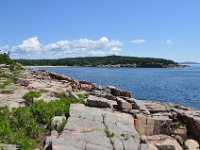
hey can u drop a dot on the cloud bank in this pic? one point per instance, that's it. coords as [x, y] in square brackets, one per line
[33, 48]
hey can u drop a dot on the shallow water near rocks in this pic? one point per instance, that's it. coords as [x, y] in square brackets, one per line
[177, 85]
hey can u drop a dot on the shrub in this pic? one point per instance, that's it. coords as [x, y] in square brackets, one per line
[12, 131]
[29, 96]
[25, 126]
[5, 83]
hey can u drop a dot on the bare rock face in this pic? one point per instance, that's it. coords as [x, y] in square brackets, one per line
[57, 76]
[153, 125]
[22, 82]
[86, 87]
[162, 142]
[118, 92]
[191, 118]
[139, 104]
[97, 129]
[155, 107]
[191, 144]
[123, 105]
[100, 102]
[193, 127]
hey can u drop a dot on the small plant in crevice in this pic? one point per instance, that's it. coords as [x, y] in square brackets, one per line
[109, 134]
[29, 96]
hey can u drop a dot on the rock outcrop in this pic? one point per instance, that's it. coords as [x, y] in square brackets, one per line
[92, 128]
[110, 119]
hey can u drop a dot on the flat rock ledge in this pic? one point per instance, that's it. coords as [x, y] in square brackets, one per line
[97, 129]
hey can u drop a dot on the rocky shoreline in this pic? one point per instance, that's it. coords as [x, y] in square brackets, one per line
[123, 66]
[109, 119]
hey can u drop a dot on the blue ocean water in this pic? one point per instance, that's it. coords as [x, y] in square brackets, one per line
[177, 85]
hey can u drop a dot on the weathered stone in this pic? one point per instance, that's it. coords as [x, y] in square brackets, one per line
[86, 130]
[118, 92]
[162, 142]
[124, 105]
[191, 144]
[141, 106]
[22, 82]
[49, 139]
[94, 101]
[179, 139]
[181, 131]
[147, 125]
[57, 76]
[193, 127]
[69, 88]
[102, 94]
[86, 87]
[155, 107]
[39, 85]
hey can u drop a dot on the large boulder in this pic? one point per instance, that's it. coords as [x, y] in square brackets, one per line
[140, 104]
[191, 144]
[153, 125]
[100, 102]
[86, 87]
[162, 142]
[21, 81]
[57, 76]
[155, 107]
[118, 92]
[193, 127]
[123, 105]
[191, 118]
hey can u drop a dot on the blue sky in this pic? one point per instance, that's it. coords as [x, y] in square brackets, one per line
[69, 28]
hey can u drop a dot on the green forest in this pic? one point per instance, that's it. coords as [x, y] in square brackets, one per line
[99, 61]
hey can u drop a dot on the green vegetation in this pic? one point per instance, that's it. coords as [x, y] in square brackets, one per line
[109, 134]
[5, 59]
[27, 126]
[96, 61]
[60, 127]
[8, 69]
[5, 83]
[29, 96]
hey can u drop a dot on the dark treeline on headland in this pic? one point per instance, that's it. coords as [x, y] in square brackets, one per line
[106, 61]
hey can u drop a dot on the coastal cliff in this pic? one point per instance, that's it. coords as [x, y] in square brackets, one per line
[97, 117]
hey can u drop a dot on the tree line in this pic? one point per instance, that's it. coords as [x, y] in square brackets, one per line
[98, 61]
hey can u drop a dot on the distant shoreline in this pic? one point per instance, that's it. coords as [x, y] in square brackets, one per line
[46, 66]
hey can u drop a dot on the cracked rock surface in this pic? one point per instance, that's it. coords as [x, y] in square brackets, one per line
[93, 128]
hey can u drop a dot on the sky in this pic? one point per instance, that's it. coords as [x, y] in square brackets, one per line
[37, 29]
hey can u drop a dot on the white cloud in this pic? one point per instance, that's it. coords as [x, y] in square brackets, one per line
[4, 49]
[32, 48]
[169, 42]
[29, 44]
[138, 41]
